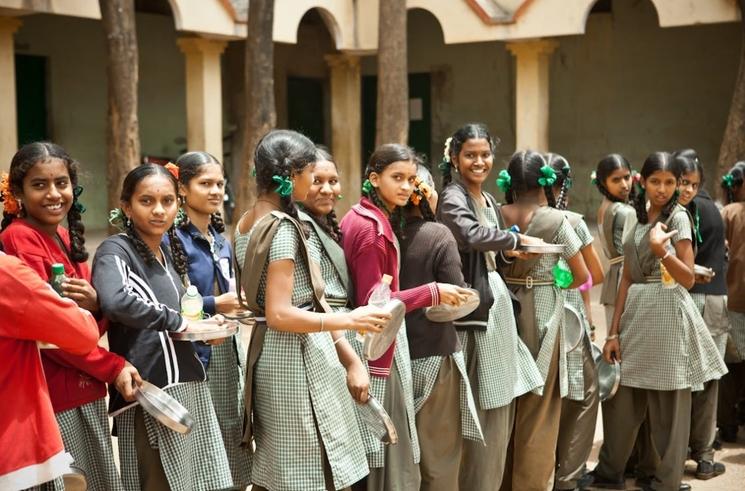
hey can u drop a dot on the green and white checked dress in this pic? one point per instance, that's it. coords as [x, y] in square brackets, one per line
[300, 393]
[575, 364]
[196, 461]
[665, 344]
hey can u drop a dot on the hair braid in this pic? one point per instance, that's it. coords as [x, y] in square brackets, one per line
[604, 191]
[561, 201]
[142, 249]
[549, 192]
[181, 216]
[77, 230]
[640, 204]
[217, 222]
[180, 260]
[669, 207]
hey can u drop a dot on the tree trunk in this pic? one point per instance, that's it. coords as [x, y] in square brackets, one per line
[261, 113]
[122, 129]
[733, 143]
[392, 125]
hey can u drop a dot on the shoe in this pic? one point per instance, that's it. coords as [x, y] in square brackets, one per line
[728, 433]
[707, 469]
[684, 486]
[601, 482]
[585, 481]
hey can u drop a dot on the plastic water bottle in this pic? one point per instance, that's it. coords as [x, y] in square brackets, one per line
[58, 277]
[379, 297]
[192, 304]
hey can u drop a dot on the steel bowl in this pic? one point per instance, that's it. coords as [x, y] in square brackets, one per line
[220, 331]
[377, 421]
[164, 408]
[597, 353]
[574, 329]
[542, 248]
[703, 271]
[609, 378]
[449, 313]
[376, 344]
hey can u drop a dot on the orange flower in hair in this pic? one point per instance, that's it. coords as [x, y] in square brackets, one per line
[173, 169]
[421, 190]
[10, 203]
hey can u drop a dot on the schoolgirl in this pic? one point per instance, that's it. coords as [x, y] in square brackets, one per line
[371, 249]
[539, 285]
[444, 405]
[732, 386]
[43, 186]
[139, 278]
[579, 409]
[500, 367]
[300, 415]
[664, 346]
[210, 266]
[710, 297]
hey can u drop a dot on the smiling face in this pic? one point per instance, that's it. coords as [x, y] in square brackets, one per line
[395, 184]
[688, 187]
[618, 183]
[474, 161]
[324, 190]
[47, 194]
[153, 207]
[205, 192]
[660, 187]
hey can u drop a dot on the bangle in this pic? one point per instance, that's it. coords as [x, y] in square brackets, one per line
[320, 317]
[667, 254]
[612, 337]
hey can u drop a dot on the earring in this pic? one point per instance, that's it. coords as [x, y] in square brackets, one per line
[339, 196]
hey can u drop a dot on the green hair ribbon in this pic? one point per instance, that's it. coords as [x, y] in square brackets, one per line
[548, 176]
[76, 192]
[562, 276]
[728, 180]
[697, 227]
[594, 178]
[284, 186]
[180, 217]
[567, 171]
[117, 218]
[367, 186]
[253, 172]
[504, 181]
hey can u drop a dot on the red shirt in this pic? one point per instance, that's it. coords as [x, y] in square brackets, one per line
[73, 380]
[30, 441]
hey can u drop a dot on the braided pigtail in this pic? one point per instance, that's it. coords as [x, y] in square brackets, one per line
[640, 205]
[550, 199]
[217, 222]
[180, 259]
[142, 249]
[333, 224]
[669, 207]
[77, 233]
[182, 218]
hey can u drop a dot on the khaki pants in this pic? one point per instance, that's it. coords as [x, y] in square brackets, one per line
[577, 428]
[704, 421]
[532, 456]
[669, 417]
[439, 429]
[482, 466]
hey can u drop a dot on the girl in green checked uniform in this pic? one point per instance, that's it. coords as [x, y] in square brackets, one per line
[579, 409]
[300, 415]
[539, 284]
[500, 367]
[664, 348]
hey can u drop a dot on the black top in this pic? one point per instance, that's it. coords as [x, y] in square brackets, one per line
[429, 253]
[711, 252]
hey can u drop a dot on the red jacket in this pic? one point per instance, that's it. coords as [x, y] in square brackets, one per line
[30, 441]
[370, 250]
[73, 380]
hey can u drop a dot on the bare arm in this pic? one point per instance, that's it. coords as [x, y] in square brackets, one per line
[612, 348]
[579, 270]
[592, 260]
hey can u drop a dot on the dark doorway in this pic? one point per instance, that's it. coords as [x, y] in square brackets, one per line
[31, 98]
[305, 107]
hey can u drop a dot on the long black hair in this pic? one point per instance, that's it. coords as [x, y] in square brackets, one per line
[605, 168]
[656, 162]
[282, 153]
[28, 156]
[563, 177]
[190, 166]
[462, 135]
[525, 172]
[328, 223]
[733, 180]
[135, 176]
[382, 157]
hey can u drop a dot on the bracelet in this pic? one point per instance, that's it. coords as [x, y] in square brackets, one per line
[667, 254]
[611, 338]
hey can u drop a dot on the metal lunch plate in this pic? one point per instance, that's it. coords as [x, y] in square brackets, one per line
[542, 248]
[703, 271]
[597, 353]
[448, 313]
[377, 420]
[375, 345]
[609, 378]
[574, 331]
[164, 408]
[224, 330]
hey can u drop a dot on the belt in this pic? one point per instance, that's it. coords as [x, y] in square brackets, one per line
[337, 302]
[528, 282]
[616, 260]
[652, 279]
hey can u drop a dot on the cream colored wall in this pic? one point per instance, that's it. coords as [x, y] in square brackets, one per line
[77, 93]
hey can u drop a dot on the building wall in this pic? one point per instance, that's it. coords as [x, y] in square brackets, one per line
[77, 93]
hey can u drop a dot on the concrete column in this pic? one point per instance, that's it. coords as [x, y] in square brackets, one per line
[203, 94]
[346, 125]
[531, 94]
[8, 116]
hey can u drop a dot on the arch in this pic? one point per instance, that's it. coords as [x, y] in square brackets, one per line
[671, 13]
[429, 13]
[338, 15]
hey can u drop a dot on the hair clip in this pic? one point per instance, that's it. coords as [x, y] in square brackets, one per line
[367, 186]
[548, 176]
[117, 218]
[173, 169]
[10, 203]
[728, 181]
[284, 186]
[504, 181]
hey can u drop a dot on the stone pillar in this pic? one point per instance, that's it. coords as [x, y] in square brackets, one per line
[8, 116]
[203, 94]
[532, 59]
[346, 125]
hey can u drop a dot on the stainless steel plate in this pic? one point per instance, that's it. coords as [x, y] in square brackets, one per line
[375, 345]
[609, 378]
[574, 331]
[224, 330]
[164, 408]
[597, 353]
[448, 313]
[703, 271]
[543, 248]
[377, 420]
